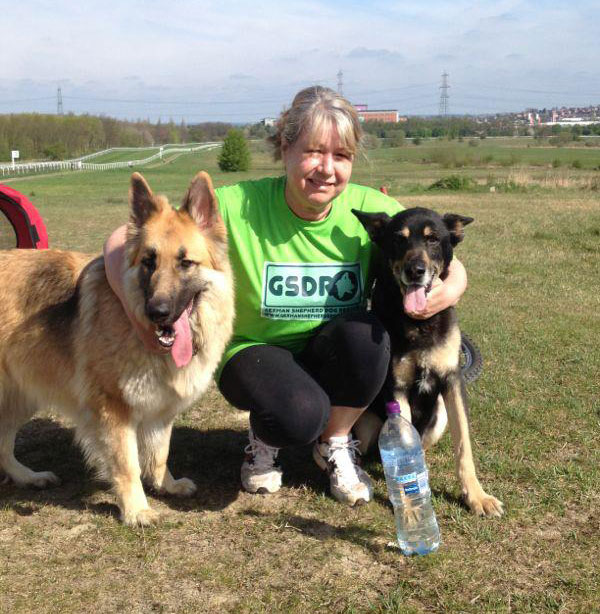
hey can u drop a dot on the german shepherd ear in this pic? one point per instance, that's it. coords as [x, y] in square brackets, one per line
[141, 200]
[374, 223]
[200, 201]
[455, 224]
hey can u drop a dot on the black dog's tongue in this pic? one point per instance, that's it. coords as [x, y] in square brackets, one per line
[415, 298]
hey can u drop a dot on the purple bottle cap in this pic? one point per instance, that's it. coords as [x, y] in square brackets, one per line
[392, 408]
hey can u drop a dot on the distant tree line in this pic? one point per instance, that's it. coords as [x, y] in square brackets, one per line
[57, 137]
[436, 127]
[461, 127]
[565, 133]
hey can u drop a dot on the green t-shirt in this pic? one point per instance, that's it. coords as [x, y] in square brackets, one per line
[291, 275]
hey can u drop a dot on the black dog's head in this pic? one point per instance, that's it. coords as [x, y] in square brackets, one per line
[417, 245]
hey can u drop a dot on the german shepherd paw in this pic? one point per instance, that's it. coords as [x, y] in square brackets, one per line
[184, 487]
[38, 479]
[142, 518]
[485, 505]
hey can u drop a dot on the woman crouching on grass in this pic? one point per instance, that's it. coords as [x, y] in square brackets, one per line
[306, 357]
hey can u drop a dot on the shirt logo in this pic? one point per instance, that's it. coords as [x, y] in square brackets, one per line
[310, 291]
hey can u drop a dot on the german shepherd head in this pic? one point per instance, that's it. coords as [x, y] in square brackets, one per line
[417, 245]
[173, 255]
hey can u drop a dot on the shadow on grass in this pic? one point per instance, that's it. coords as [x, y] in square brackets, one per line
[372, 464]
[211, 459]
[356, 534]
[300, 470]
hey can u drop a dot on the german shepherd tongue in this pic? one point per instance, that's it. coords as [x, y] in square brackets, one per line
[181, 351]
[414, 298]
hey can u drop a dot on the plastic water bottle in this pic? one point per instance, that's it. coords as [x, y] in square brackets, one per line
[407, 481]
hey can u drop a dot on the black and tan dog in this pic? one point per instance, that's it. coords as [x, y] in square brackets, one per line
[67, 345]
[417, 247]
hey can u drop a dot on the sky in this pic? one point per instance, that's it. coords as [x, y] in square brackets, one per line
[241, 61]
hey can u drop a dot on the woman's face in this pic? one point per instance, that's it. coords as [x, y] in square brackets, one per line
[318, 169]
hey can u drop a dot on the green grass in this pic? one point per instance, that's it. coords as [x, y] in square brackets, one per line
[411, 168]
[122, 155]
[532, 306]
[499, 151]
[133, 153]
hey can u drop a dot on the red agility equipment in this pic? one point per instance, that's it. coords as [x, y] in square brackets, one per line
[25, 219]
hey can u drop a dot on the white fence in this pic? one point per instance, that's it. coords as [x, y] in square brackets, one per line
[80, 164]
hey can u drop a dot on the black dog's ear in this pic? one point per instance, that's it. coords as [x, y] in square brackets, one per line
[374, 223]
[455, 224]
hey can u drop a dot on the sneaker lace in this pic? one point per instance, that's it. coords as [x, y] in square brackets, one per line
[343, 456]
[263, 456]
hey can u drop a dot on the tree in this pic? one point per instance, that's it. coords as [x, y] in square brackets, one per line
[370, 141]
[396, 138]
[196, 134]
[235, 155]
[56, 152]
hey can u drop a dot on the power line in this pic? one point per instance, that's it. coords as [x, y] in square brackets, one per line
[176, 102]
[394, 89]
[527, 91]
[26, 100]
[249, 107]
[399, 101]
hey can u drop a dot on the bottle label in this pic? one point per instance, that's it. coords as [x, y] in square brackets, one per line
[413, 483]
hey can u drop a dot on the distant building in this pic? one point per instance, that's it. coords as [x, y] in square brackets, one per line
[377, 115]
[565, 116]
[572, 121]
[268, 121]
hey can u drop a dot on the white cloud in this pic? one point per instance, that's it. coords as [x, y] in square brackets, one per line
[260, 53]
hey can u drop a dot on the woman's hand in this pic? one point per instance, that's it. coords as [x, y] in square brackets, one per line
[445, 293]
[114, 257]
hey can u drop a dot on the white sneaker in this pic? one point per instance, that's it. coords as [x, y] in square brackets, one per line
[260, 472]
[348, 482]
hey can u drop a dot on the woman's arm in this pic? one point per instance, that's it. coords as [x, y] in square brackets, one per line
[445, 293]
[114, 257]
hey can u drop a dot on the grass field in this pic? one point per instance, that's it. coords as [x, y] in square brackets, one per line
[532, 306]
[520, 163]
[122, 155]
[133, 153]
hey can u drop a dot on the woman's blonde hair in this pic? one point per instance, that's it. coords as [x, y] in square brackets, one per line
[313, 109]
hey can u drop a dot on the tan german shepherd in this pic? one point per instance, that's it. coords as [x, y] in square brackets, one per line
[66, 343]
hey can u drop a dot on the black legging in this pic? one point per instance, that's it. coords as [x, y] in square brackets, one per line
[289, 397]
